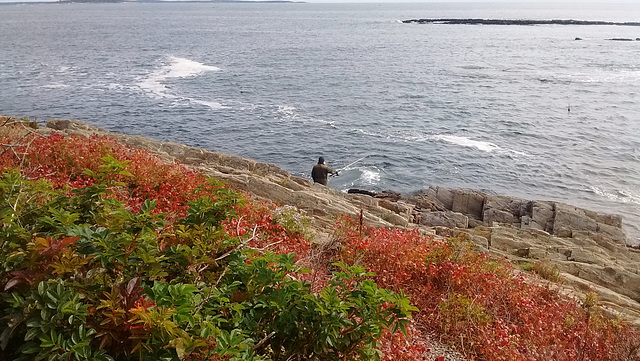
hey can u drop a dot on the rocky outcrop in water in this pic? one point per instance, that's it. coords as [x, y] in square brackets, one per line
[516, 22]
[587, 247]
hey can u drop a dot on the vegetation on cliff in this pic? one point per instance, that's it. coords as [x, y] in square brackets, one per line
[107, 253]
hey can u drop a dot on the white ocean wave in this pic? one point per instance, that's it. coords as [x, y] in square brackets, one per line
[54, 86]
[175, 67]
[211, 104]
[288, 111]
[468, 142]
[623, 196]
[369, 177]
[291, 113]
[595, 76]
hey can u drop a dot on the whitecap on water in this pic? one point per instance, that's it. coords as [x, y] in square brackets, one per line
[211, 104]
[287, 111]
[176, 68]
[623, 196]
[467, 142]
[54, 86]
[370, 176]
[291, 113]
[612, 75]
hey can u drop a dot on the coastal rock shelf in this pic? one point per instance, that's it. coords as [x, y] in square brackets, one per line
[516, 22]
[587, 247]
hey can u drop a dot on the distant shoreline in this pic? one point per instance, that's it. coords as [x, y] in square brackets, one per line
[516, 22]
[148, 1]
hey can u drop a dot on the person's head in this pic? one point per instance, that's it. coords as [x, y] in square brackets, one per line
[321, 160]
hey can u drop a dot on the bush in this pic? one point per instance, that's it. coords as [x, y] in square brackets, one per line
[547, 270]
[293, 220]
[90, 272]
[483, 307]
[106, 253]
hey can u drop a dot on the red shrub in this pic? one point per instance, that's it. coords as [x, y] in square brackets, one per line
[480, 306]
[483, 307]
[64, 160]
[255, 220]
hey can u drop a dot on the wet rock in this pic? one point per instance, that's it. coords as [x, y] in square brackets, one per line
[362, 191]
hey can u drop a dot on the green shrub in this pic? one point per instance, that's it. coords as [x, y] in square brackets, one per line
[547, 270]
[84, 277]
[293, 220]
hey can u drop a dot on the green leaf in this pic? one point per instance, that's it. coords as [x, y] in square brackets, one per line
[31, 334]
[30, 348]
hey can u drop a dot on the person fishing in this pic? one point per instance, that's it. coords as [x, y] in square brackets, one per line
[320, 172]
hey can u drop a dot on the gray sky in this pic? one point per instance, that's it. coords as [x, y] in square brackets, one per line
[434, 1]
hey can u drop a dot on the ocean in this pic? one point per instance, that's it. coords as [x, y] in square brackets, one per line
[524, 111]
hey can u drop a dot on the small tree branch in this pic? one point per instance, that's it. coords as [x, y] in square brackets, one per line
[242, 244]
[262, 342]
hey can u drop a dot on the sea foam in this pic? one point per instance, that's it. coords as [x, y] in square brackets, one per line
[175, 67]
[467, 142]
[623, 196]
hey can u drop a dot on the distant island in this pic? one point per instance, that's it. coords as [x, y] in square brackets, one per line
[146, 1]
[516, 22]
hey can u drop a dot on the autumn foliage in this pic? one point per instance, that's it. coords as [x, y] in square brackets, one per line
[484, 307]
[106, 253]
[109, 253]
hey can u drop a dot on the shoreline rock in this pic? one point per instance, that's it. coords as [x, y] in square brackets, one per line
[587, 247]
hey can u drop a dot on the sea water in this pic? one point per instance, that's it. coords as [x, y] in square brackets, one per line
[525, 111]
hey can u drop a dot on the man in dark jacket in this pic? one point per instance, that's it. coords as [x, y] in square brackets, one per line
[320, 172]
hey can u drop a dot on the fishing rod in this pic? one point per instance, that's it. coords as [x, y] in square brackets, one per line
[352, 163]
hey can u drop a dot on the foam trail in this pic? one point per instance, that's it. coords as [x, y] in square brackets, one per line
[619, 196]
[211, 104]
[287, 111]
[175, 68]
[291, 113]
[54, 86]
[466, 142]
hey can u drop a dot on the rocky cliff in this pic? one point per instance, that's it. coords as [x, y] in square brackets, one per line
[587, 247]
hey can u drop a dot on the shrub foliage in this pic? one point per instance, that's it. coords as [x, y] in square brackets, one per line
[108, 253]
[484, 307]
